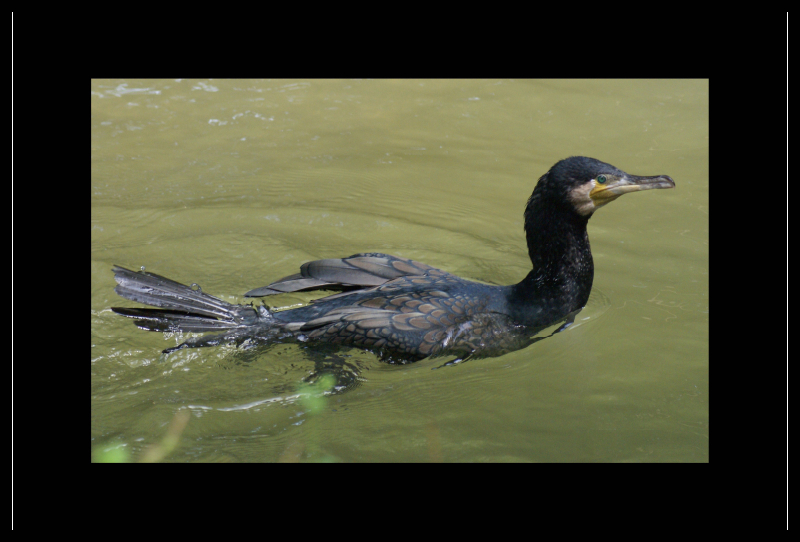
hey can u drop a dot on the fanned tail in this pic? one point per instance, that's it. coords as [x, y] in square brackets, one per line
[183, 308]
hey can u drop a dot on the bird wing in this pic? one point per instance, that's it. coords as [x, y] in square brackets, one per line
[359, 270]
[419, 321]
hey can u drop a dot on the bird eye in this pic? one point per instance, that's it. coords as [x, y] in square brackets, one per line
[601, 179]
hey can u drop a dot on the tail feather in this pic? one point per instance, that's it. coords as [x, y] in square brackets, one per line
[169, 320]
[184, 309]
[158, 291]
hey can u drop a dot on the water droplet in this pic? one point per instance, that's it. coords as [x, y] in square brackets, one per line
[196, 287]
[142, 269]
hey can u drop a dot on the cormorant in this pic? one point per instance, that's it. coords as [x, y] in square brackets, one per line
[406, 310]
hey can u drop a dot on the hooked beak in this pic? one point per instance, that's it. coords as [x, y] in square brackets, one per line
[604, 193]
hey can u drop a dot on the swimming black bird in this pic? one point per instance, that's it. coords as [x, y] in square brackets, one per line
[406, 310]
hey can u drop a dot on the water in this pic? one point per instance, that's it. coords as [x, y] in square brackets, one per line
[233, 184]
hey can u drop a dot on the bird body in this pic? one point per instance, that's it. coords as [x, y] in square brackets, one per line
[406, 310]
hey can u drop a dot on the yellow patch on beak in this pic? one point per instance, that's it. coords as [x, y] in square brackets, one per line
[611, 190]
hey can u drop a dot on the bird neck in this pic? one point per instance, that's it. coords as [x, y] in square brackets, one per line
[563, 270]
